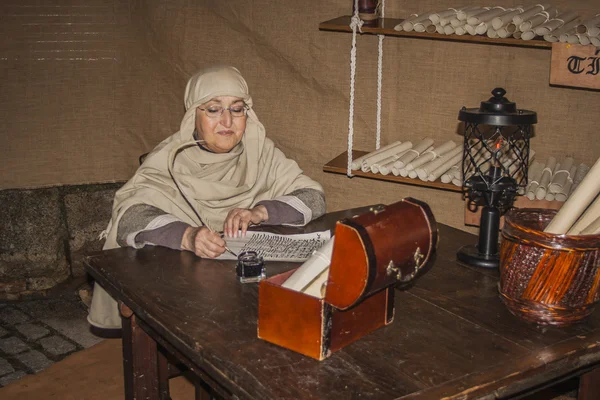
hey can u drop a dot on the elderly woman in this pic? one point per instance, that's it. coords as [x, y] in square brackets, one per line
[218, 173]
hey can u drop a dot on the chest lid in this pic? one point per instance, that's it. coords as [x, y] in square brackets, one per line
[377, 249]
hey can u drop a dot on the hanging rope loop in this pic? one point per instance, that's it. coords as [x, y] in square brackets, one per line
[356, 24]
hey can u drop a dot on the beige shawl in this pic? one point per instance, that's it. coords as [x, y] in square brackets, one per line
[212, 183]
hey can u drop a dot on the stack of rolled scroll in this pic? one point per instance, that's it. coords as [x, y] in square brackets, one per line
[420, 160]
[580, 215]
[525, 23]
[554, 179]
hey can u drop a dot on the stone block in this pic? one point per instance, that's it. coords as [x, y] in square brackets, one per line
[56, 345]
[32, 331]
[13, 345]
[32, 240]
[88, 210]
[5, 367]
[34, 360]
[3, 332]
[11, 316]
[5, 380]
[78, 330]
[57, 308]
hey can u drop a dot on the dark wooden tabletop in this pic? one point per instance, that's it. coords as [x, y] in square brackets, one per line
[451, 336]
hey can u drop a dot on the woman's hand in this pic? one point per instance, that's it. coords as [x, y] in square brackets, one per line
[203, 242]
[241, 218]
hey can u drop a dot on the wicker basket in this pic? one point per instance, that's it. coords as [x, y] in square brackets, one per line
[545, 278]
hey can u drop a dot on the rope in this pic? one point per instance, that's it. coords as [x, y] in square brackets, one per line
[355, 24]
[379, 79]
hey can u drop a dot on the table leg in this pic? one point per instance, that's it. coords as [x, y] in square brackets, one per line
[589, 385]
[164, 372]
[204, 392]
[140, 361]
[126, 315]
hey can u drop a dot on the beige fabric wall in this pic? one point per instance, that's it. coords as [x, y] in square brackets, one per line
[91, 85]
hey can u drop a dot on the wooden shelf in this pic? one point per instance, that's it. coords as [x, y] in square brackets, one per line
[385, 26]
[339, 165]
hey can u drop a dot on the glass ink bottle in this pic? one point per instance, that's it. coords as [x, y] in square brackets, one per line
[250, 267]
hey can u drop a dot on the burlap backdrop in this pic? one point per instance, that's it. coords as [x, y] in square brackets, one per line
[90, 85]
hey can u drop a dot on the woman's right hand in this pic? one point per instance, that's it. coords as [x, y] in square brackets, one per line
[203, 242]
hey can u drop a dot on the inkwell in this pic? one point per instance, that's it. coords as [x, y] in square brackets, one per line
[250, 267]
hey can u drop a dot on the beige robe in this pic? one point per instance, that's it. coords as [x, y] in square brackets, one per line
[178, 175]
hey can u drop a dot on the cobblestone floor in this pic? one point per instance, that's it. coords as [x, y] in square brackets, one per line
[34, 334]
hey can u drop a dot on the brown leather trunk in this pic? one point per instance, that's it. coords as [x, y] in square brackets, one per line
[371, 253]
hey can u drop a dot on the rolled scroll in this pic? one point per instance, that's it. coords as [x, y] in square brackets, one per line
[560, 177]
[410, 18]
[471, 30]
[385, 169]
[540, 192]
[414, 152]
[593, 228]
[578, 201]
[582, 171]
[555, 23]
[534, 174]
[409, 24]
[452, 172]
[486, 16]
[425, 170]
[530, 12]
[566, 189]
[449, 29]
[357, 163]
[436, 17]
[311, 268]
[554, 36]
[507, 30]
[367, 162]
[578, 38]
[464, 15]
[591, 214]
[431, 28]
[505, 18]
[376, 166]
[492, 33]
[528, 35]
[590, 27]
[460, 30]
[421, 26]
[430, 155]
[446, 20]
[538, 19]
[445, 166]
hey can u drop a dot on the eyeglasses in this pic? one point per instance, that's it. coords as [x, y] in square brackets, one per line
[217, 111]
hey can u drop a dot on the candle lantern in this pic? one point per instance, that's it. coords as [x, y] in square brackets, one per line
[495, 164]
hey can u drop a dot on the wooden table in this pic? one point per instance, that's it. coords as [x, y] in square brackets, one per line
[452, 337]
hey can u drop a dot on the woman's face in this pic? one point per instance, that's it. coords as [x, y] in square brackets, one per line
[221, 133]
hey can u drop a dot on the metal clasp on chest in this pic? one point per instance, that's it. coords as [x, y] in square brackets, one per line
[393, 269]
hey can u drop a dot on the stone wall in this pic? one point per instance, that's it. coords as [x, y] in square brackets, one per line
[45, 233]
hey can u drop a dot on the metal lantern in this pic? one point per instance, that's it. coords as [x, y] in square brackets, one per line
[495, 164]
